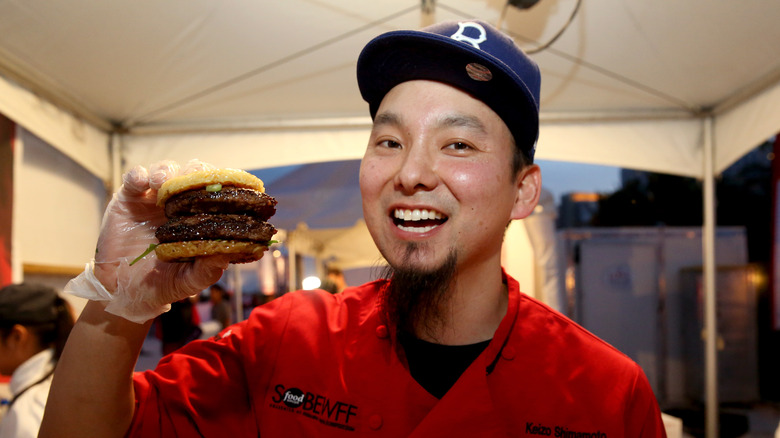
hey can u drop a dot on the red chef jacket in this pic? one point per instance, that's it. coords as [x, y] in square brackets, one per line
[312, 364]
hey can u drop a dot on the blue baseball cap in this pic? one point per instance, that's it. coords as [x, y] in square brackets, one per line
[470, 55]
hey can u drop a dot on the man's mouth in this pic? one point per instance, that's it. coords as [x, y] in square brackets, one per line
[417, 220]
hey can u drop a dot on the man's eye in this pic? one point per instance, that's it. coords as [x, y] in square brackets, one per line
[459, 146]
[390, 144]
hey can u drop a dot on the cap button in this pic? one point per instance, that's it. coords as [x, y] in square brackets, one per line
[375, 421]
[382, 332]
[508, 353]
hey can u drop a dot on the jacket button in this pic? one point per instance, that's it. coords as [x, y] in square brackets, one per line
[508, 353]
[375, 421]
[382, 332]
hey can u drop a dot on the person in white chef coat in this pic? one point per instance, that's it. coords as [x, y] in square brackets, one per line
[34, 325]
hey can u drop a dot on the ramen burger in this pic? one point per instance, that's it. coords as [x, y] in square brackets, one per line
[211, 212]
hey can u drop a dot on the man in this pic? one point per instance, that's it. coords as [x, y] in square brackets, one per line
[334, 281]
[179, 325]
[447, 346]
[220, 306]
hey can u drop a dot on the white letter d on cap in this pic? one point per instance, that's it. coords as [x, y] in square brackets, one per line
[462, 26]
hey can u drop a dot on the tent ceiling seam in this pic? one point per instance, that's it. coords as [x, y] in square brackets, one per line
[744, 94]
[363, 122]
[693, 109]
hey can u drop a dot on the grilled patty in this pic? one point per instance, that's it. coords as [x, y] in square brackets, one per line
[215, 227]
[229, 200]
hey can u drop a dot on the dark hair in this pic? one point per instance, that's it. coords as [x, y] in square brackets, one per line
[50, 334]
[520, 156]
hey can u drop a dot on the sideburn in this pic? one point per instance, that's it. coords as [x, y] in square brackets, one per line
[415, 301]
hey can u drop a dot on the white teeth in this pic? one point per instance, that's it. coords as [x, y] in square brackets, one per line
[416, 214]
[416, 229]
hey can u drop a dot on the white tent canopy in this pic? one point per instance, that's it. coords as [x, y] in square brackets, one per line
[627, 84]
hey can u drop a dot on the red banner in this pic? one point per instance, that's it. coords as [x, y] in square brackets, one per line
[6, 196]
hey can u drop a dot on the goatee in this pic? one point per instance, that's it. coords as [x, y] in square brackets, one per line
[416, 299]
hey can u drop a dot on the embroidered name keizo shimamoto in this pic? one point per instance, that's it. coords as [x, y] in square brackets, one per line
[560, 432]
[317, 407]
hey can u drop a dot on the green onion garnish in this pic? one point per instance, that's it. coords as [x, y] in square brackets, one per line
[151, 248]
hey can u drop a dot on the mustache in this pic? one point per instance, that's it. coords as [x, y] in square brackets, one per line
[415, 299]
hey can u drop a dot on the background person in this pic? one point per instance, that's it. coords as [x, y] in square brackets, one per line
[34, 324]
[179, 326]
[220, 306]
[334, 281]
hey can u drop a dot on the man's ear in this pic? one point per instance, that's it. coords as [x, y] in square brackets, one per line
[529, 187]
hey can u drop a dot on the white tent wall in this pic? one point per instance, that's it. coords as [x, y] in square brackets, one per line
[249, 148]
[669, 146]
[62, 169]
[540, 254]
[80, 141]
[517, 258]
[743, 127]
[660, 145]
[58, 206]
[343, 248]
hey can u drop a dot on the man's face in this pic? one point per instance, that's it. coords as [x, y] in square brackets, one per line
[436, 178]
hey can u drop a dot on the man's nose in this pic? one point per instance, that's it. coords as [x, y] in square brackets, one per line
[417, 171]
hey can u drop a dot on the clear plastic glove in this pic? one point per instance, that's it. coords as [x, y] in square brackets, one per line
[144, 290]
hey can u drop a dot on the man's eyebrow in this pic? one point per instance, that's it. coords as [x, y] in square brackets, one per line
[463, 120]
[387, 119]
[446, 121]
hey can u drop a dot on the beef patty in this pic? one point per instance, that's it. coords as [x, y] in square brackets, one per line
[215, 227]
[228, 200]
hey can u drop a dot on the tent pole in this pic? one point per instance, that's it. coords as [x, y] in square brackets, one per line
[292, 266]
[427, 12]
[238, 284]
[116, 149]
[710, 302]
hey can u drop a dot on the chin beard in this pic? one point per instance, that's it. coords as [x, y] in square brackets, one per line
[415, 300]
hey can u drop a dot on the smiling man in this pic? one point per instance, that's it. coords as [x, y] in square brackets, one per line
[434, 154]
[444, 345]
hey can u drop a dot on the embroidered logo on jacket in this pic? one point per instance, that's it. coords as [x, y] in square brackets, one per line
[314, 406]
[560, 432]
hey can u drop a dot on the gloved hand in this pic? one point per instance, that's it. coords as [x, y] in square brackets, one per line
[144, 290]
